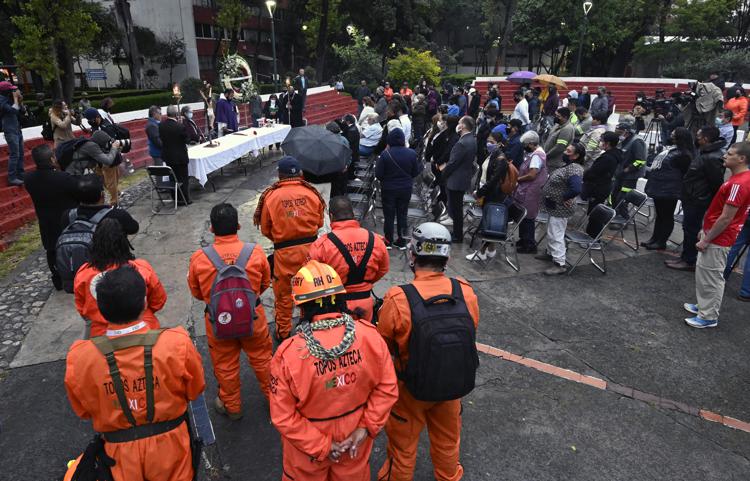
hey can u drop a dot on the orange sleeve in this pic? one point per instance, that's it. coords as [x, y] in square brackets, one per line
[391, 324]
[316, 249]
[71, 387]
[266, 224]
[156, 294]
[741, 112]
[192, 278]
[290, 423]
[193, 377]
[383, 396]
[80, 292]
[472, 303]
[384, 260]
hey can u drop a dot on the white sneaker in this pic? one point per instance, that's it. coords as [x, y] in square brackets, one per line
[447, 222]
[476, 256]
[490, 254]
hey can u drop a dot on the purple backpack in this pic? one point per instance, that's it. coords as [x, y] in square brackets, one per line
[231, 308]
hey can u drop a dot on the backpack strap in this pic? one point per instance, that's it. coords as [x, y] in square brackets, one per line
[108, 347]
[244, 256]
[214, 257]
[96, 218]
[72, 215]
[356, 272]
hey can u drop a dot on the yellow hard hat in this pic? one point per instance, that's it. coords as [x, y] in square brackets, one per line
[315, 280]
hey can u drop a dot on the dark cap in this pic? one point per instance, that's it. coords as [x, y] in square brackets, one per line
[289, 165]
[91, 114]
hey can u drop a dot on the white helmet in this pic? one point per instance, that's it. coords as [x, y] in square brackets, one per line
[431, 239]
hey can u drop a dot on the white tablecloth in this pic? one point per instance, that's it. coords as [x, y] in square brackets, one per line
[204, 160]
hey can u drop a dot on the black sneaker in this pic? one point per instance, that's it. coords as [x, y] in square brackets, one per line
[400, 244]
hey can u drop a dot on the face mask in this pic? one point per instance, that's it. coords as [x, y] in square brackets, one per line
[622, 138]
[718, 121]
[557, 120]
[189, 115]
[566, 159]
[491, 147]
[528, 148]
[458, 129]
[441, 125]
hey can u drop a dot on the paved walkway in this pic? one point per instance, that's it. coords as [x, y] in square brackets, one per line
[530, 417]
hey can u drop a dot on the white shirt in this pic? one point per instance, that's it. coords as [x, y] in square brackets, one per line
[406, 125]
[365, 112]
[371, 135]
[521, 112]
[536, 162]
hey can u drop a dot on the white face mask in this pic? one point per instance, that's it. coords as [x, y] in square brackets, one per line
[458, 129]
[189, 115]
[441, 124]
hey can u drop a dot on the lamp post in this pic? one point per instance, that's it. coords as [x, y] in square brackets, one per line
[586, 9]
[271, 5]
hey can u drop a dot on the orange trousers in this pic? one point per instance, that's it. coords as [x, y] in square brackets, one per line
[298, 466]
[165, 457]
[408, 417]
[225, 357]
[286, 263]
[111, 177]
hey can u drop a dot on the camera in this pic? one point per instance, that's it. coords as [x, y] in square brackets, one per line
[125, 145]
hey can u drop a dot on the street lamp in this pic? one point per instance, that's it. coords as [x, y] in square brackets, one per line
[271, 5]
[304, 27]
[586, 9]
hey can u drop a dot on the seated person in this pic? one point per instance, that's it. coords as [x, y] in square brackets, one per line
[370, 136]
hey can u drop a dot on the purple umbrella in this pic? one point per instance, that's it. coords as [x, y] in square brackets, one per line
[521, 77]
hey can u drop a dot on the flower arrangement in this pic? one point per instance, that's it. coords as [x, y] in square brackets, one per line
[234, 72]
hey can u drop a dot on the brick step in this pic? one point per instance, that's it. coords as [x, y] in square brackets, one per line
[4, 175]
[16, 205]
[12, 223]
[11, 192]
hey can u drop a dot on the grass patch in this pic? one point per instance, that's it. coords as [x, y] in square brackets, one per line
[25, 244]
[135, 178]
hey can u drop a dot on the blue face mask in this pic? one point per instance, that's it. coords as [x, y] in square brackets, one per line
[491, 147]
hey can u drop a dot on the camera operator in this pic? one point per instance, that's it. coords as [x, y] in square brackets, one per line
[115, 130]
[11, 110]
[63, 119]
[109, 172]
[95, 154]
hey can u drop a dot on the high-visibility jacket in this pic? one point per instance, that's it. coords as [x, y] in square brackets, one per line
[355, 239]
[84, 289]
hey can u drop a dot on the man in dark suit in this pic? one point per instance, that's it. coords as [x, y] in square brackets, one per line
[174, 140]
[301, 83]
[457, 173]
[52, 193]
[293, 103]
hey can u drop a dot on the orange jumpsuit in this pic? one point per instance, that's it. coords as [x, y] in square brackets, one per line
[178, 378]
[292, 210]
[409, 416]
[225, 353]
[355, 239]
[315, 402]
[84, 289]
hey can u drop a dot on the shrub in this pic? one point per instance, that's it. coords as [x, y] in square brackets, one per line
[412, 64]
[457, 78]
[141, 102]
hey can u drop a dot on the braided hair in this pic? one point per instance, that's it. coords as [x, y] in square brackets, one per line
[109, 246]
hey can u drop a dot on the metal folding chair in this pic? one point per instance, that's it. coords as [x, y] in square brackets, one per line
[516, 214]
[157, 175]
[598, 221]
[635, 200]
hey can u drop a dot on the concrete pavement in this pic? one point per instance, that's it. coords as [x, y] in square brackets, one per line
[519, 423]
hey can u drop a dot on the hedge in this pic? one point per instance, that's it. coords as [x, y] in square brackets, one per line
[141, 102]
[457, 79]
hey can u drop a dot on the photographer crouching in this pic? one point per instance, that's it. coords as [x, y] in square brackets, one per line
[107, 155]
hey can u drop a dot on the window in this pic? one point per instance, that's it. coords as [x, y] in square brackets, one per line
[203, 30]
[204, 3]
[205, 62]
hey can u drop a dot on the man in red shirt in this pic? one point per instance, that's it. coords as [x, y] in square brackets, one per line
[721, 225]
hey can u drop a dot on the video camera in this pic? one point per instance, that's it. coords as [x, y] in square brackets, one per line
[657, 104]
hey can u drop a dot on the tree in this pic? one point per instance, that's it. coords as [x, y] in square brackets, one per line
[51, 33]
[412, 64]
[172, 52]
[232, 14]
[360, 61]
[128, 43]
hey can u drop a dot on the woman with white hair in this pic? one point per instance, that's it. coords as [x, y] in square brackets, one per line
[370, 135]
[531, 178]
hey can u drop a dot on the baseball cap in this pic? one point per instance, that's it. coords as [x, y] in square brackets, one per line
[289, 165]
[6, 86]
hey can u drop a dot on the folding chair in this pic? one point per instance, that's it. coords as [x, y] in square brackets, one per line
[648, 210]
[635, 200]
[516, 214]
[679, 217]
[156, 174]
[598, 221]
[542, 218]
[472, 219]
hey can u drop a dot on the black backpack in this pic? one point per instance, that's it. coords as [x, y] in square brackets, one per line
[443, 358]
[48, 130]
[66, 150]
[72, 248]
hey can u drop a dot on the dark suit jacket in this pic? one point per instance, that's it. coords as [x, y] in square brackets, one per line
[460, 167]
[174, 141]
[52, 193]
[297, 82]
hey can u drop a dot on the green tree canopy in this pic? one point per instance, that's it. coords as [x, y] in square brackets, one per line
[412, 64]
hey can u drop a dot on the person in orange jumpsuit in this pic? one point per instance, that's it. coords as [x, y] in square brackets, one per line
[289, 213]
[110, 249]
[357, 242]
[332, 385]
[143, 423]
[429, 251]
[225, 353]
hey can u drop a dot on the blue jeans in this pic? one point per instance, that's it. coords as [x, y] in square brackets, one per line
[15, 155]
[365, 150]
[742, 239]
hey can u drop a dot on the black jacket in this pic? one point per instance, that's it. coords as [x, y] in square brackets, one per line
[496, 172]
[174, 140]
[597, 181]
[52, 192]
[193, 131]
[129, 225]
[351, 133]
[460, 168]
[665, 182]
[705, 175]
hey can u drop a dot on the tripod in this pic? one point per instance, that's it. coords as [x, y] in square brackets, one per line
[653, 134]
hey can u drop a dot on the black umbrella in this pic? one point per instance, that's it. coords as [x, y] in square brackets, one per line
[318, 151]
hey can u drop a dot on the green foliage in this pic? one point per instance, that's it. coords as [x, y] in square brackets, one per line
[171, 52]
[731, 65]
[232, 13]
[148, 45]
[361, 61]
[190, 88]
[142, 102]
[703, 19]
[46, 25]
[457, 78]
[412, 64]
